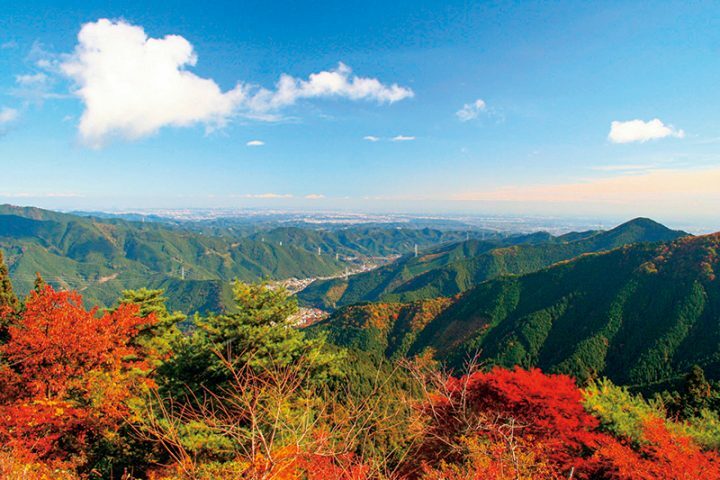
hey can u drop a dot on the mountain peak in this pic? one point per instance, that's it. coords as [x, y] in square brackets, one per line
[642, 222]
[639, 229]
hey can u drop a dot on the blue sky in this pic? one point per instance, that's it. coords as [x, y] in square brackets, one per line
[501, 107]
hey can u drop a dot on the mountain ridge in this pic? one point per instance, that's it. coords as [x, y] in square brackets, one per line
[449, 270]
[640, 314]
[103, 256]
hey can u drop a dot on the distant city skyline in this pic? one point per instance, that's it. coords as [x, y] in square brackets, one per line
[601, 110]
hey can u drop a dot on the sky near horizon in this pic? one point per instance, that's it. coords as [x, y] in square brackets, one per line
[607, 109]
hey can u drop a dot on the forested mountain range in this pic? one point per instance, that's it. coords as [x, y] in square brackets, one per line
[641, 315]
[100, 257]
[450, 269]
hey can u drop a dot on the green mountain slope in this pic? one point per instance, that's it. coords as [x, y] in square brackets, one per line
[640, 314]
[454, 268]
[365, 241]
[102, 256]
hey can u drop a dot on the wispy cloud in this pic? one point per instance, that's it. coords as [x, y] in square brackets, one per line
[651, 188]
[402, 138]
[35, 88]
[624, 167]
[31, 79]
[314, 196]
[269, 196]
[40, 195]
[470, 111]
[332, 83]
[641, 131]
[8, 115]
[255, 143]
[397, 138]
[133, 85]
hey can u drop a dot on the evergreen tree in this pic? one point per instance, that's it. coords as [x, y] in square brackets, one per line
[257, 335]
[39, 284]
[161, 336]
[697, 392]
[9, 304]
[8, 299]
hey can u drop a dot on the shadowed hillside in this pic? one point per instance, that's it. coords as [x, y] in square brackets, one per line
[102, 257]
[638, 314]
[452, 269]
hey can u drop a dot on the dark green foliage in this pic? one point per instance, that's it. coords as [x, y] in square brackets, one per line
[694, 396]
[39, 284]
[452, 269]
[201, 296]
[8, 299]
[696, 389]
[369, 241]
[639, 315]
[103, 257]
[160, 336]
[257, 334]
[9, 303]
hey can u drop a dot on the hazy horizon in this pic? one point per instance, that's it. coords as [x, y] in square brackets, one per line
[508, 222]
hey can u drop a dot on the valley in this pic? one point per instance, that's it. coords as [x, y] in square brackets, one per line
[194, 265]
[407, 240]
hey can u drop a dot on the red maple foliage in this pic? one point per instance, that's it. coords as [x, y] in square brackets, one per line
[662, 455]
[68, 372]
[525, 424]
[510, 406]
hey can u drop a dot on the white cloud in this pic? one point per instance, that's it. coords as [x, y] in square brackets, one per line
[332, 83]
[371, 138]
[43, 58]
[255, 143]
[402, 138]
[133, 85]
[314, 196]
[35, 88]
[31, 79]
[8, 115]
[641, 131]
[267, 195]
[470, 111]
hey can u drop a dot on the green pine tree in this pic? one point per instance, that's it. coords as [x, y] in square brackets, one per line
[161, 337]
[8, 299]
[696, 393]
[39, 284]
[258, 334]
[9, 304]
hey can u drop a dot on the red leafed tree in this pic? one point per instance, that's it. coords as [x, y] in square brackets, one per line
[67, 373]
[662, 455]
[525, 424]
[517, 411]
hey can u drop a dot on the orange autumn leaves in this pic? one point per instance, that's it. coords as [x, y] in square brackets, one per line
[66, 375]
[526, 424]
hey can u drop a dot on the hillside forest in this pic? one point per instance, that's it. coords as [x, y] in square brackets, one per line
[604, 365]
